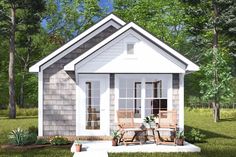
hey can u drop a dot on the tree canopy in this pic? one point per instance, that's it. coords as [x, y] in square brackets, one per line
[202, 30]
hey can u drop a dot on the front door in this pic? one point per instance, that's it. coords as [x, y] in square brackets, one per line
[93, 105]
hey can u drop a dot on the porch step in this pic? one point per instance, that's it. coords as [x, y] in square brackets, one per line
[91, 153]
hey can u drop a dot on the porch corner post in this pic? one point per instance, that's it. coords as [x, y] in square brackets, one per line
[181, 102]
[40, 103]
[76, 105]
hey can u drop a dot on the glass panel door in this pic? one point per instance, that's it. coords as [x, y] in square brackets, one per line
[92, 105]
[92, 118]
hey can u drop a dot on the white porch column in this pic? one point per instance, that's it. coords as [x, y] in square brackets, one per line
[181, 102]
[40, 103]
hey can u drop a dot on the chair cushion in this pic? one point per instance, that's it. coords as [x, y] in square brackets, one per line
[165, 129]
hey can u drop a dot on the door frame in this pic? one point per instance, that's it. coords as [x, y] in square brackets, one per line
[104, 105]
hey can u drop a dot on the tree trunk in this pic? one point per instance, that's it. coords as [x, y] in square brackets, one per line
[21, 103]
[12, 105]
[216, 112]
[216, 106]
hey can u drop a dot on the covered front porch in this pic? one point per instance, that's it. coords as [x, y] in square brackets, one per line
[100, 96]
[104, 147]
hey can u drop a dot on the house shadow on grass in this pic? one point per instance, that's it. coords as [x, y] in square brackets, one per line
[208, 134]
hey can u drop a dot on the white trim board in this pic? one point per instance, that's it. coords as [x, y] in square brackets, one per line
[54, 55]
[40, 103]
[190, 65]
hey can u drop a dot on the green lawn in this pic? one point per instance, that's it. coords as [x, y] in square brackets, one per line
[220, 137]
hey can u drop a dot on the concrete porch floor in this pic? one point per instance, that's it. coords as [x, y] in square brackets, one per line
[104, 147]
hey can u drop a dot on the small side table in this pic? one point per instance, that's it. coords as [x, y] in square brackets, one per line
[152, 135]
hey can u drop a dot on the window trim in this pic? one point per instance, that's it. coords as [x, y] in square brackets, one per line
[167, 78]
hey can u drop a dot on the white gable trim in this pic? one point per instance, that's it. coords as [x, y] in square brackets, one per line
[110, 20]
[190, 65]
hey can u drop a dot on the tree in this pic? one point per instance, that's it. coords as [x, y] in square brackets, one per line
[164, 19]
[13, 14]
[66, 19]
[208, 33]
[215, 86]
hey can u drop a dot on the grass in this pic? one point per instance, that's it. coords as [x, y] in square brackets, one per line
[6, 125]
[220, 137]
[20, 112]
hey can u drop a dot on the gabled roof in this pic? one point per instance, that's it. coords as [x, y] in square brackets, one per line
[111, 17]
[190, 66]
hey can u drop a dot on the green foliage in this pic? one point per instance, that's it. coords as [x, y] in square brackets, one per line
[180, 134]
[66, 19]
[21, 112]
[149, 119]
[42, 141]
[195, 136]
[59, 140]
[216, 84]
[17, 137]
[33, 129]
[220, 137]
[22, 137]
[115, 134]
[164, 19]
[77, 142]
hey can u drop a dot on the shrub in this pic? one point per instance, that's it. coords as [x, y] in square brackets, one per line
[17, 136]
[195, 136]
[42, 141]
[33, 129]
[30, 138]
[20, 112]
[59, 140]
[22, 137]
[26, 111]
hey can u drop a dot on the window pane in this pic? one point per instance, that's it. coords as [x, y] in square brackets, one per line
[130, 48]
[149, 89]
[130, 103]
[137, 90]
[137, 108]
[93, 105]
[129, 96]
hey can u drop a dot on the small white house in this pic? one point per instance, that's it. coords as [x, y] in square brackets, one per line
[113, 65]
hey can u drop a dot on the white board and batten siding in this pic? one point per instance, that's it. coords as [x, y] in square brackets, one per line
[147, 58]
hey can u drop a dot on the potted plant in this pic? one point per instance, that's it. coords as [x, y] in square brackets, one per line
[78, 146]
[179, 138]
[150, 120]
[115, 137]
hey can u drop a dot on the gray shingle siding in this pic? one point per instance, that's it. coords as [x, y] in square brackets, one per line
[59, 91]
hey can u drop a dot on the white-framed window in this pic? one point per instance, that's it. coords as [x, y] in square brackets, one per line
[130, 48]
[155, 97]
[145, 96]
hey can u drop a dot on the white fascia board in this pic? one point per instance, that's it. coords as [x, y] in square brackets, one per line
[190, 65]
[36, 67]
